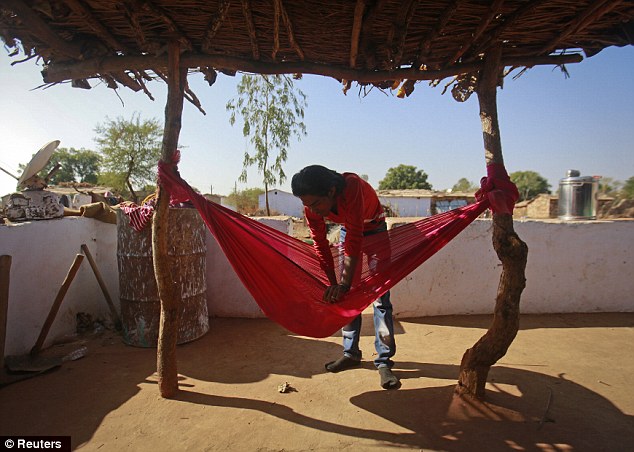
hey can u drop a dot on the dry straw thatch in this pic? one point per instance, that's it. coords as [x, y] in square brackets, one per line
[382, 42]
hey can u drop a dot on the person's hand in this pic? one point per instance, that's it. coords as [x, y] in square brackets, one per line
[335, 292]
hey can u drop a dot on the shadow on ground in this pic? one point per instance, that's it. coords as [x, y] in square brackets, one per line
[525, 409]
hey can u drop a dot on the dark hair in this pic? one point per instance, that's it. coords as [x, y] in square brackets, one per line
[317, 180]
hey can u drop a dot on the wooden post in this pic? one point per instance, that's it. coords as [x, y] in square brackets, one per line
[5, 272]
[168, 328]
[61, 293]
[102, 284]
[511, 250]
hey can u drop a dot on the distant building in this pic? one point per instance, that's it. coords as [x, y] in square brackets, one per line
[422, 203]
[283, 203]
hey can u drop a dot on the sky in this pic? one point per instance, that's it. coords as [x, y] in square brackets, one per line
[548, 124]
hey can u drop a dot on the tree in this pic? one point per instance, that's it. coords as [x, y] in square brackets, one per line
[464, 185]
[609, 187]
[76, 165]
[246, 201]
[404, 177]
[131, 149]
[529, 184]
[628, 189]
[272, 111]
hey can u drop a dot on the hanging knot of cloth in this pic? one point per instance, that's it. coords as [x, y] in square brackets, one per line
[498, 188]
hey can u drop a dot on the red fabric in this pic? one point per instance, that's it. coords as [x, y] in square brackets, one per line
[284, 276]
[357, 203]
[498, 188]
[140, 216]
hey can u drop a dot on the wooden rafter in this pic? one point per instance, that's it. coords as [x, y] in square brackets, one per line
[132, 12]
[123, 78]
[38, 28]
[366, 42]
[280, 13]
[80, 9]
[509, 21]
[593, 12]
[60, 72]
[425, 44]
[289, 30]
[214, 24]
[494, 10]
[398, 31]
[253, 38]
[359, 9]
[150, 8]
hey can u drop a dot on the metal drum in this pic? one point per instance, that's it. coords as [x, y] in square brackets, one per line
[578, 196]
[140, 303]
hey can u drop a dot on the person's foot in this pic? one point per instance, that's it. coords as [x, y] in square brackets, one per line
[388, 379]
[343, 363]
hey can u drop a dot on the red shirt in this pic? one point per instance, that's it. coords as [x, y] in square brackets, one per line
[358, 210]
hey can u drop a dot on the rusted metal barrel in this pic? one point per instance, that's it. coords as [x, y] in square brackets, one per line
[140, 303]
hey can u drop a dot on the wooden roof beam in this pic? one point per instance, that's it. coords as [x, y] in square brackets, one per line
[97, 27]
[398, 31]
[280, 12]
[494, 10]
[214, 24]
[163, 16]
[38, 28]
[248, 19]
[519, 13]
[132, 11]
[366, 43]
[592, 13]
[425, 44]
[359, 9]
[60, 72]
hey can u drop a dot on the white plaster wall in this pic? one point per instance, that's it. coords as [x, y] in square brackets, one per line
[408, 207]
[42, 253]
[283, 202]
[572, 267]
[226, 295]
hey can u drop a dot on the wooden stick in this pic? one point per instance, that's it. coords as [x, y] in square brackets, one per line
[59, 72]
[102, 284]
[56, 303]
[5, 270]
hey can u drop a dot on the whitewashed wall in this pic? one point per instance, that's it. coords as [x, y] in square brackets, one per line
[572, 267]
[408, 206]
[42, 253]
[282, 202]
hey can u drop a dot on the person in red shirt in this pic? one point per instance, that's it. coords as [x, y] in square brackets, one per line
[350, 201]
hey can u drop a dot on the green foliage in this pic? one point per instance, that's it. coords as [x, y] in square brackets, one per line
[628, 189]
[529, 184]
[132, 149]
[76, 165]
[246, 201]
[609, 187]
[465, 185]
[272, 111]
[404, 177]
[116, 181]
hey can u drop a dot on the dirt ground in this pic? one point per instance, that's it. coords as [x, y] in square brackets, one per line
[565, 384]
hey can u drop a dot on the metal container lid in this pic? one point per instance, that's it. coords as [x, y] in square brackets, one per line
[574, 176]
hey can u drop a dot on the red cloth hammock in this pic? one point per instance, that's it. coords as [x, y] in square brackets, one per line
[283, 273]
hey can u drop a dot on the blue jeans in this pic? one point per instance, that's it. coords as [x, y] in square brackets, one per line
[384, 342]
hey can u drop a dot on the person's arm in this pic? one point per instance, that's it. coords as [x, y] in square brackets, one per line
[352, 245]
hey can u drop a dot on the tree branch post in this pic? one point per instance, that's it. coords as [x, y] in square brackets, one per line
[168, 328]
[511, 250]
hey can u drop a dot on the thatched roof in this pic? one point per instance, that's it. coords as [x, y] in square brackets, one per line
[383, 42]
